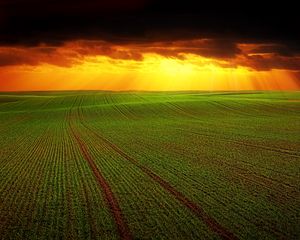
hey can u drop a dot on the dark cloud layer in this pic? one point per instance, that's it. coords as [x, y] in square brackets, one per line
[74, 51]
[31, 31]
[30, 22]
[261, 57]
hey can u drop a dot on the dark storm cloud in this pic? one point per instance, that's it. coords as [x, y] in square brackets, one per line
[215, 48]
[261, 62]
[33, 56]
[288, 50]
[17, 57]
[30, 22]
[35, 29]
[75, 51]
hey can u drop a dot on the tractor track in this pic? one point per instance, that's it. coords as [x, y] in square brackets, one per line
[197, 210]
[111, 200]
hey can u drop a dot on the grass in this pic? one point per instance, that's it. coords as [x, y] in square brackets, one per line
[150, 165]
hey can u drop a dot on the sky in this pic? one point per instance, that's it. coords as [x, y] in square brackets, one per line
[149, 45]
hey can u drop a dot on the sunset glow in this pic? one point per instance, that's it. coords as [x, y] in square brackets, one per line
[76, 66]
[148, 45]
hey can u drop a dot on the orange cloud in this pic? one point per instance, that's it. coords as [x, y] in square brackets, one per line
[202, 64]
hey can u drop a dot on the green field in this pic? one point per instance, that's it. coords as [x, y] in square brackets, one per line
[150, 165]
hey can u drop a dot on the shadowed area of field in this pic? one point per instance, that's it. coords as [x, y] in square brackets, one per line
[150, 165]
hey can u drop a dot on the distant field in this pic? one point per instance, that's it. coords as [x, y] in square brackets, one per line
[150, 165]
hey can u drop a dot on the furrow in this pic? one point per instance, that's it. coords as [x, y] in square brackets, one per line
[111, 200]
[197, 210]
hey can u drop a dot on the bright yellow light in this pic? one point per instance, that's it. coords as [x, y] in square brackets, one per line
[154, 72]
